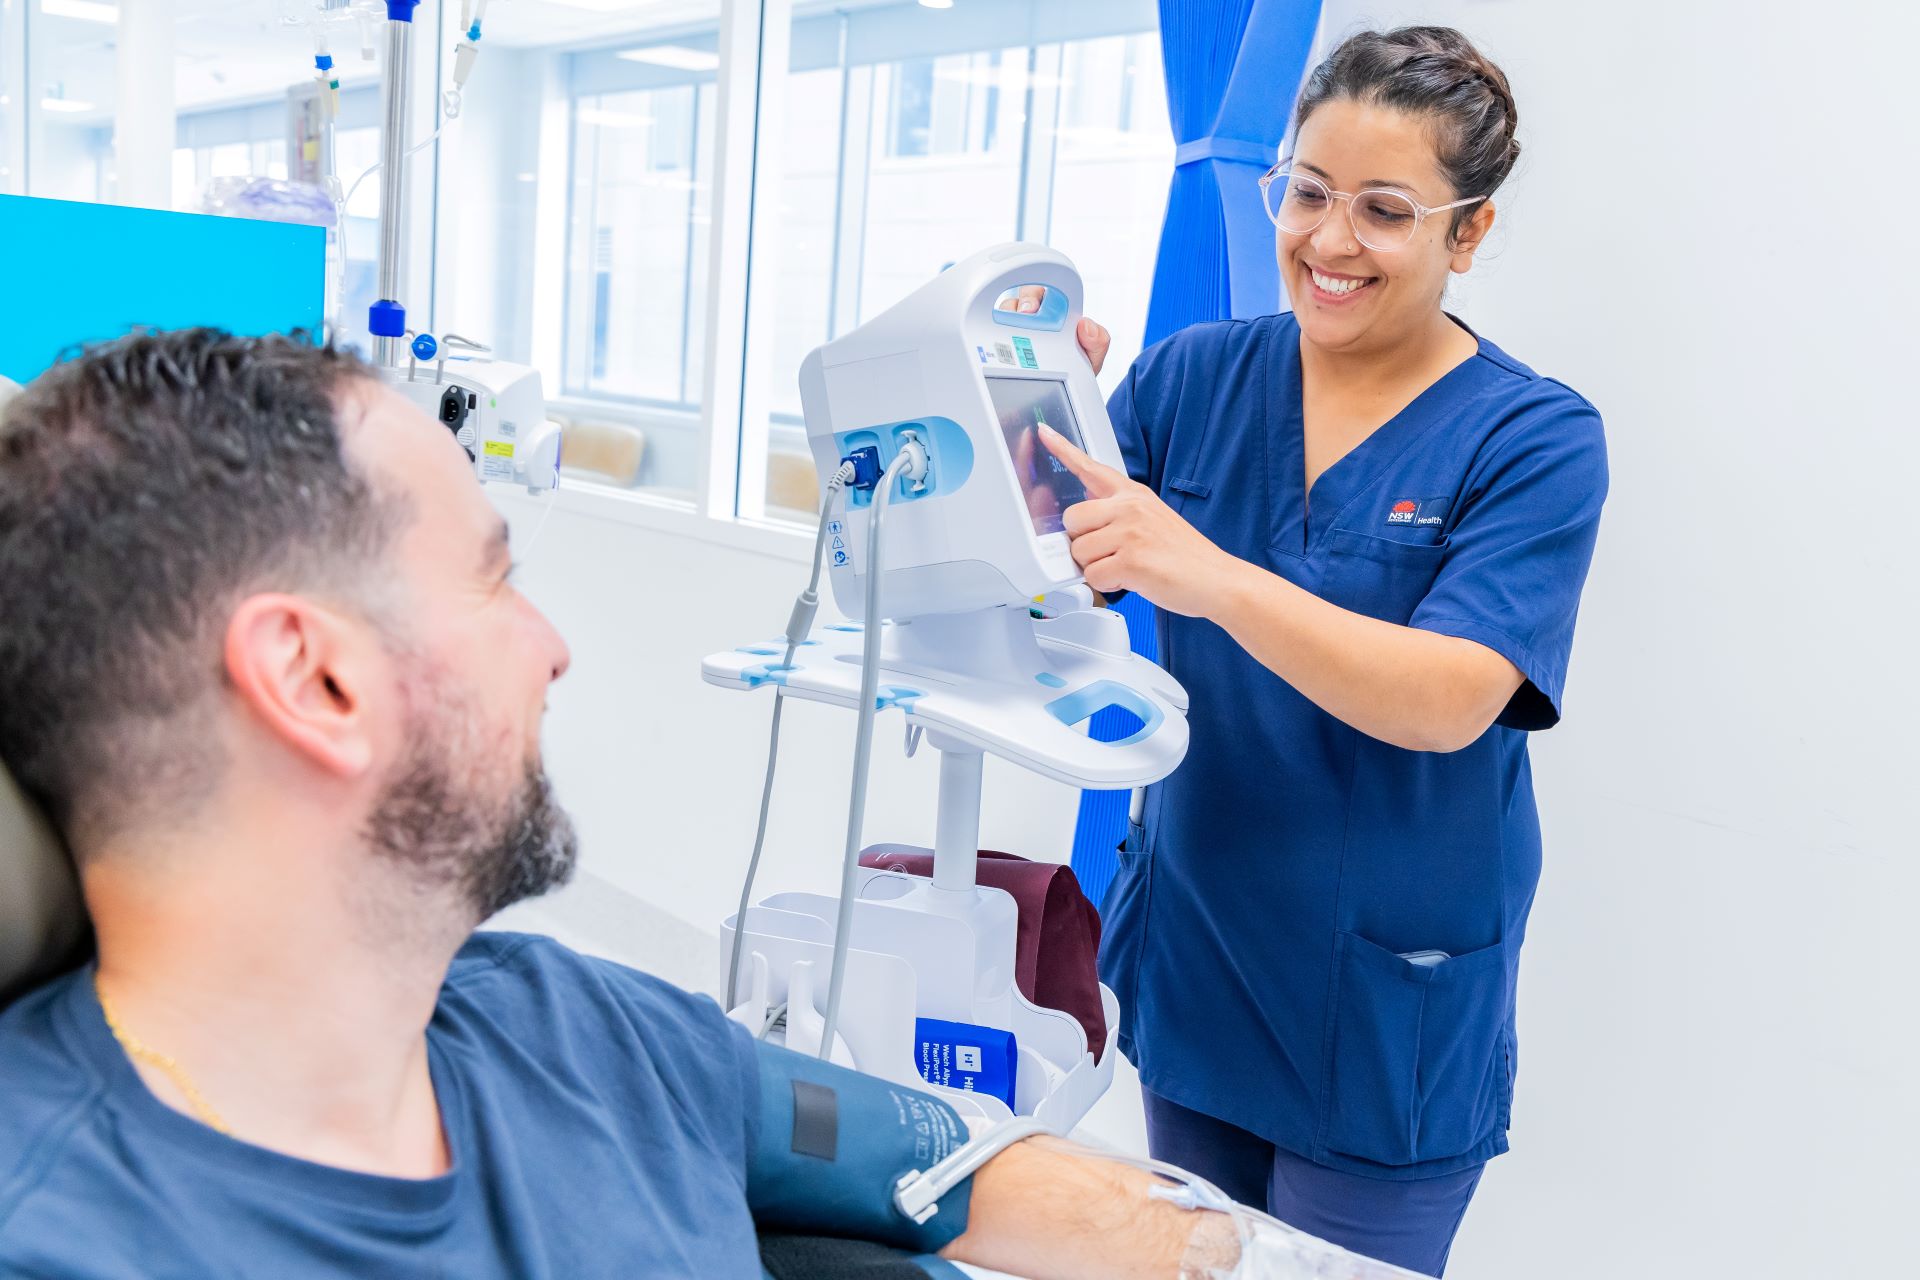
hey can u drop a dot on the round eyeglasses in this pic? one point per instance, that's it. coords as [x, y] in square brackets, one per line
[1383, 219]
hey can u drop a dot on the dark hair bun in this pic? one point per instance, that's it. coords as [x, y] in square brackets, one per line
[1433, 72]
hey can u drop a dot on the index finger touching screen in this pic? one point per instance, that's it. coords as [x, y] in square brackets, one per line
[1024, 405]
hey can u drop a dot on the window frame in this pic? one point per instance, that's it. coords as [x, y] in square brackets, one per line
[754, 43]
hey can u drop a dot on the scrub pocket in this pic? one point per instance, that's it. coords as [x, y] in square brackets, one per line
[1379, 577]
[1415, 1063]
[1123, 921]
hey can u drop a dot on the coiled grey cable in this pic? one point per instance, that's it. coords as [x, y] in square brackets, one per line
[862, 739]
[799, 623]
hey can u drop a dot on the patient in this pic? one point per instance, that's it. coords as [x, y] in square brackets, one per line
[263, 662]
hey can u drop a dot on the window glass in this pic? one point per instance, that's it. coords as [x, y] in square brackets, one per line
[13, 108]
[70, 97]
[576, 210]
[1112, 164]
[641, 191]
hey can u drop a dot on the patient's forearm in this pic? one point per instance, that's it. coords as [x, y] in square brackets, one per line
[1039, 1210]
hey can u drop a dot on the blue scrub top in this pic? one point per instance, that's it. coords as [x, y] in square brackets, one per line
[1256, 929]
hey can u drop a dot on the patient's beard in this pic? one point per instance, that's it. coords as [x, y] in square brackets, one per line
[448, 825]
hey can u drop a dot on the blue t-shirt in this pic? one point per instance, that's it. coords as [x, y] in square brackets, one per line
[1258, 929]
[600, 1123]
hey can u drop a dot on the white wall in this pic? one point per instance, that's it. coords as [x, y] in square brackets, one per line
[1718, 1020]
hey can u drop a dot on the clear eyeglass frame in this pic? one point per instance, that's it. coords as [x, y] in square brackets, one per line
[1282, 177]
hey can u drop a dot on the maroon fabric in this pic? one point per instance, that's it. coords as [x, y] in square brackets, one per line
[1058, 945]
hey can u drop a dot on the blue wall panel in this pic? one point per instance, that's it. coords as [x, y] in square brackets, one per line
[76, 273]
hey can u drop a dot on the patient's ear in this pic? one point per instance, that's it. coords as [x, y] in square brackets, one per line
[305, 673]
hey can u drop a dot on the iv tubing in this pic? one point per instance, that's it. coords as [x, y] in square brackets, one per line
[1207, 1195]
[862, 743]
[798, 625]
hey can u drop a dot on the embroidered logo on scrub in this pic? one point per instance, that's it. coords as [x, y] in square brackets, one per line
[1422, 512]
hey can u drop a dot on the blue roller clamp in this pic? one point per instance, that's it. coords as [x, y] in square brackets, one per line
[387, 319]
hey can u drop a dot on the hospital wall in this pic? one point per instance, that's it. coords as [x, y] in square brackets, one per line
[1718, 1018]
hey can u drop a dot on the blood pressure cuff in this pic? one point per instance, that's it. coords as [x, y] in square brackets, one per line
[831, 1146]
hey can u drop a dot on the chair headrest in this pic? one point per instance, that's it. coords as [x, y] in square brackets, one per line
[43, 922]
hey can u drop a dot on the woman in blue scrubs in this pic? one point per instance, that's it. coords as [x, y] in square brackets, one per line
[1366, 529]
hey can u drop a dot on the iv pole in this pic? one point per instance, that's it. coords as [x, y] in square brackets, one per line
[387, 318]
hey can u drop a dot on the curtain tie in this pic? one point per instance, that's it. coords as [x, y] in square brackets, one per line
[1214, 147]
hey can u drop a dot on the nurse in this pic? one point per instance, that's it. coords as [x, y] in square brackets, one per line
[1366, 529]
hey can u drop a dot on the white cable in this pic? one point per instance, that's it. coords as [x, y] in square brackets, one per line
[422, 145]
[799, 623]
[340, 209]
[862, 738]
[918, 1194]
[533, 540]
[1204, 1193]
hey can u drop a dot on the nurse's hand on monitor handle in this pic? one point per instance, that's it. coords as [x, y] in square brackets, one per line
[1027, 300]
[1094, 340]
[1126, 539]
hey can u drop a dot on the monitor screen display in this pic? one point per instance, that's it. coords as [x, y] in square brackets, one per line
[1024, 405]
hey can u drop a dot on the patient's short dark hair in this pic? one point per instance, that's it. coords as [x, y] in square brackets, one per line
[146, 487]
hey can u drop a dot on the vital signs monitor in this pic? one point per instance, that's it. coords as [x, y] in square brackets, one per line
[957, 368]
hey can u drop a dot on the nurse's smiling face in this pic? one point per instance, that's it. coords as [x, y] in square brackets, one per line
[1351, 145]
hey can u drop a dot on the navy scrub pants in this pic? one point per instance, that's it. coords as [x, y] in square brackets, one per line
[1409, 1224]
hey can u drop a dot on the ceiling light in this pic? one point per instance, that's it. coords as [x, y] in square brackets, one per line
[936, 4]
[72, 106]
[677, 56]
[84, 10]
[597, 6]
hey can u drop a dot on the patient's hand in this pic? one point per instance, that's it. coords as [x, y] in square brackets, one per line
[1042, 1210]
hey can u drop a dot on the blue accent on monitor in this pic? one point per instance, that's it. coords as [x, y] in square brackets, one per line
[84, 273]
[949, 456]
[1051, 318]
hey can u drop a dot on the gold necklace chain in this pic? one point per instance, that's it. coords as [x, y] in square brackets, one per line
[139, 1052]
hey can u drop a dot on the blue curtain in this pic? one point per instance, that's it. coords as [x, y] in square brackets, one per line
[1233, 68]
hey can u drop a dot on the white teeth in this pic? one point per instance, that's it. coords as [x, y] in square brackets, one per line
[1332, 285]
